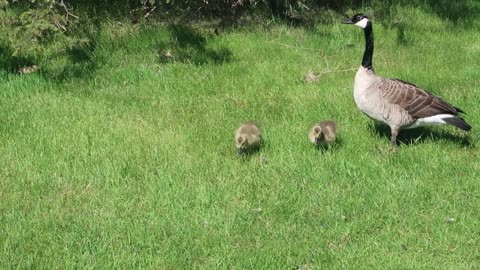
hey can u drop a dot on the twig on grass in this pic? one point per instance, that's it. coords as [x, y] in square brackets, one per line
[312, 77]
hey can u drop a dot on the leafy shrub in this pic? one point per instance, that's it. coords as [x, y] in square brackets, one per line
[39, 32]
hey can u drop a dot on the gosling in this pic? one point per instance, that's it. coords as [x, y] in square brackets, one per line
[248, 138]
[323, 133]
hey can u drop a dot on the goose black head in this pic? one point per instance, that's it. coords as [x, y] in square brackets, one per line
[360, 20]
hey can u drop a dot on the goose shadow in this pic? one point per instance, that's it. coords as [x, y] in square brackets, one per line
[420, 135]
[253, 152]
[324, 148]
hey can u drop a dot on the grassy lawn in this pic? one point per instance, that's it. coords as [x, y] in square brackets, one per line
[132, 164]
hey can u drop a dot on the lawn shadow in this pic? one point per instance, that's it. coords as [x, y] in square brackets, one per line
[402, 38]
[455, 11]
[11, 62]
[77, 61]
[420, 135]
[188, 45]
[254, 155]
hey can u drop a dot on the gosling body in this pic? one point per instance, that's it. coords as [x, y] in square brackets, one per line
[248, 137]
[323, 133]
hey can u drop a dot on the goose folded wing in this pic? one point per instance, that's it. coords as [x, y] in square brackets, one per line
[417, 102]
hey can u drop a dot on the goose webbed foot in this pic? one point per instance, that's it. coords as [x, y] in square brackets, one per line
[392, 149]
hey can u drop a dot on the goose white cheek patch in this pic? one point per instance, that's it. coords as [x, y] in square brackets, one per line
[362, 23]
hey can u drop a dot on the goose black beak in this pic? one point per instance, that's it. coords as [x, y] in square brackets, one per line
[347, 21]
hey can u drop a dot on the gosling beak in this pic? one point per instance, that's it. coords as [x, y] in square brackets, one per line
[240, 151]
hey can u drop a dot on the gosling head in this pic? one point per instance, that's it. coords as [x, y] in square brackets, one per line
[360, 20]
[318, 134]
[241, 144]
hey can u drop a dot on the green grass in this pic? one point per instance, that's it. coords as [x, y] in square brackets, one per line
[133, 164]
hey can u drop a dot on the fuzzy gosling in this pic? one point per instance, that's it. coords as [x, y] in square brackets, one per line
[248, 137]
[323, 133]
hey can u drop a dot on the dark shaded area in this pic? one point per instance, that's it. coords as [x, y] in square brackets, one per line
[247, 154]
[460, 13]
[11, 62]
[401, 37]
[309, 12]
[294, 12]
[81, 62]
[455, 11]
[29, 41]
[75, 62]
[188, 45]
[420, 135]
[330, 147]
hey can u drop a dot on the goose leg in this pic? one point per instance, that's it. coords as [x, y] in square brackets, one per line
[393, 140]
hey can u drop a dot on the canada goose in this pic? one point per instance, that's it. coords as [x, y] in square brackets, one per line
[248, 137]
[323, 133]
[399, 104]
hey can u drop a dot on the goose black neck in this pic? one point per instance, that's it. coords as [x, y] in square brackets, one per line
[368, 54]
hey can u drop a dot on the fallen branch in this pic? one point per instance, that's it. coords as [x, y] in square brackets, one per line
[59, 25]
[335, 71]
[312, 77]
[62, 4]
[150, 12]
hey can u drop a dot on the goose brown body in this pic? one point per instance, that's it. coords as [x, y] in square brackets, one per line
[397, 103]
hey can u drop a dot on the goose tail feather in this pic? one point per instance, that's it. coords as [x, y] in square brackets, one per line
[458, 122]
[459, 110]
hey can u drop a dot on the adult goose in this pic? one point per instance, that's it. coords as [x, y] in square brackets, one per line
[399, 104]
